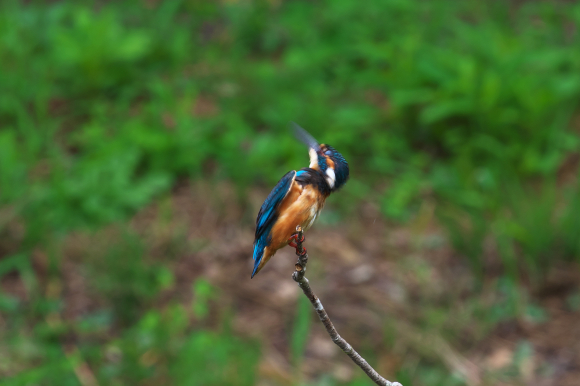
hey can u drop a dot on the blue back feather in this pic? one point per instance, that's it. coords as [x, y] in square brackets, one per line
[322, 165]
[268, 215]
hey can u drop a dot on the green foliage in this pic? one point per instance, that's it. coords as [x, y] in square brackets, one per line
[441, 96]
[202, 292]
[106, 105]
[161, 348]
[100, 112]
[531, 230]
[123, 276]
[428, 375]
[212, 359]
[301, 329]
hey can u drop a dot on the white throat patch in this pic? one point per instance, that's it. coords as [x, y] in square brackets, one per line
[330, 177]
[313, 159]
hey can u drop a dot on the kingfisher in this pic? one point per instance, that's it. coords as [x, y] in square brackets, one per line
[297, 199]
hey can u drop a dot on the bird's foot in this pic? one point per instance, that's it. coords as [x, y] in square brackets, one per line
[293, 240]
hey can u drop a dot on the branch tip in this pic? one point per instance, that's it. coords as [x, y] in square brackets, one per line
[298, 277]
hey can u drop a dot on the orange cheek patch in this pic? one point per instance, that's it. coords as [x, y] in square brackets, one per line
[329, 162]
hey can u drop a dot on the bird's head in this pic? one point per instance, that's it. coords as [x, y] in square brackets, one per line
[324, 158]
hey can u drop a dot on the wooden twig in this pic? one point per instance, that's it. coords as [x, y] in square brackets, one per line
[299, 278]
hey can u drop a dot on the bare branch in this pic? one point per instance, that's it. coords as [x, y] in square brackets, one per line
[299, 278]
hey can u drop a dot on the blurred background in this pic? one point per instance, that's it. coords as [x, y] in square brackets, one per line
[138, 140]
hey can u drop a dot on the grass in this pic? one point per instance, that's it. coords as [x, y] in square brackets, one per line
[107, 107]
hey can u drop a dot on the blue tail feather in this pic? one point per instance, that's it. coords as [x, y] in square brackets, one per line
[268, 216]
[259, 247]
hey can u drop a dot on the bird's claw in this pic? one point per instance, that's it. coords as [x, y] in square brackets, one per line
[293, 240]
[295, 237]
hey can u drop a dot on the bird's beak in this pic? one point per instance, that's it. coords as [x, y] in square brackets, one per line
[305, 137]
[313, 146]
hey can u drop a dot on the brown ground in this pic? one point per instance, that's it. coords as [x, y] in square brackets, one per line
[399, 293]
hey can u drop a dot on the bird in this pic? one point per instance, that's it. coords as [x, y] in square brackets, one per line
[297, 199]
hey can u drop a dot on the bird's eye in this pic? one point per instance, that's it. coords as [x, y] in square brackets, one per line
[328, 152]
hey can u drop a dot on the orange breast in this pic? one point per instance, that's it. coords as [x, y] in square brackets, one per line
[300, 207]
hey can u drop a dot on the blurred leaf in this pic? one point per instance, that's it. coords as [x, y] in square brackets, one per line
[301, 329]
[202, 293]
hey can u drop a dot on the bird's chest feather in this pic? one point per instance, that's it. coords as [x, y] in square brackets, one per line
[301, 207]
[315, 206]
[308, 206]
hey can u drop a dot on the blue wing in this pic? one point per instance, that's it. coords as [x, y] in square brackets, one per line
[268, 215]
